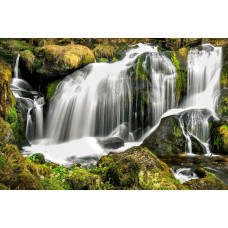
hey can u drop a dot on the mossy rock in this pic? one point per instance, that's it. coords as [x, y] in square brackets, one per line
[136, 168]
[55, 60]
[28, 58]
[17, 172]
[37, 158]
[207, 181]
[6, 133]
[168, 139]
[219, 137]
[6, 98]
[179, 59]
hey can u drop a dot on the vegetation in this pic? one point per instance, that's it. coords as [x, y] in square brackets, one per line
[181, 80]
[50, 88]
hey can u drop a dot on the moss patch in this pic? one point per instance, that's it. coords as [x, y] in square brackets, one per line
[50, 88]
[56, 60]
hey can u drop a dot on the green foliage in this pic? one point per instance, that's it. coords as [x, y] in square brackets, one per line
[139, 72]
[102, 60]
[50, 88]
[37, 158]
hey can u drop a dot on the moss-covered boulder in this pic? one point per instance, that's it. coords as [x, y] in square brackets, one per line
[17, 172]
[168, 139]
[136, 168]
[219, 137]
[207, 181]
[37, 158]
[56, 60]
[6, 98]
[28, 58]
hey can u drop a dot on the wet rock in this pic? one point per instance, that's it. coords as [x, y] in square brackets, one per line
[111, 142]
[208, 181]
[219, 136]
[167, 139]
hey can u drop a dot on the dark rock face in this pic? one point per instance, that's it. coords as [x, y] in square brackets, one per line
[111, 143]
[168, 139]
[173, 43]
[191, 42]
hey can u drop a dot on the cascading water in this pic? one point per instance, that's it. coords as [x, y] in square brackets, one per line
[16, 68]
[113, 99]
[204, 69]
[22, 91]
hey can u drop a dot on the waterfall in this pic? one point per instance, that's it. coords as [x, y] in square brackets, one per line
[126, 99]
[38, 107]
[203, 89]
[120, 98]
[16, 67]
[31, 102]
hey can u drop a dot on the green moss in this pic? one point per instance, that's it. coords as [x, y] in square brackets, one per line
[104, 51]
[29, 59]
[139, 72]
[114, 59]
[181, 79]
[55, 59]
[102, 60]
[37, 158]
[177, 131]
[50, 88]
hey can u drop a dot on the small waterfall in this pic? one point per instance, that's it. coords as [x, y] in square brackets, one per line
[16, 67]
[31, 102]
[113, 99]
[203, 89]
[29, 133]
[38, 107]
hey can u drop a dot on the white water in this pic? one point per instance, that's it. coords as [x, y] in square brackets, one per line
[184, 174]
[16, 67]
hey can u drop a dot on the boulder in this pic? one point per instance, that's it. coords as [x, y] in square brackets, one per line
[168, 139]
[56, 60]
[136, 168]
[219, 137]
[111, 142]
[207, 181]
